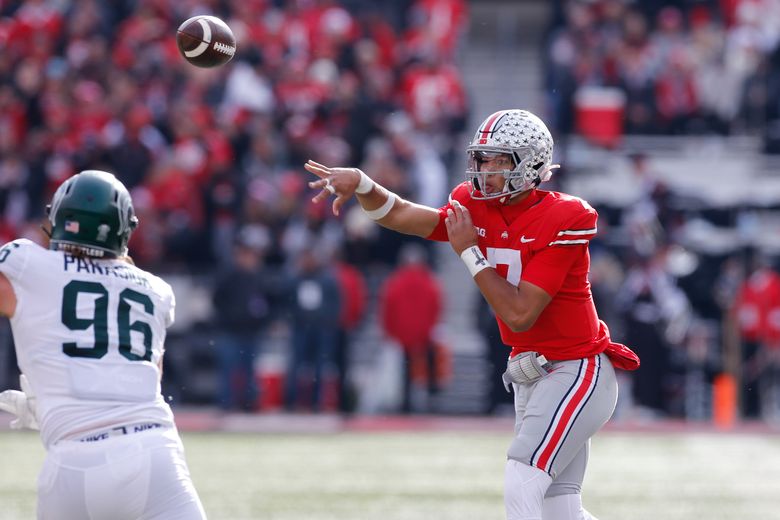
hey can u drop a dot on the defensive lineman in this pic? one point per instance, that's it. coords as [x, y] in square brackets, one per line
[527, 250]
[89, 329]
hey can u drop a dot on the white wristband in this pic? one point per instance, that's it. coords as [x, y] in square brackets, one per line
[381, 211]
[474, 260]
[366, 184]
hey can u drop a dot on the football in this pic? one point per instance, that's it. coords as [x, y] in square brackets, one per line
[206, 41]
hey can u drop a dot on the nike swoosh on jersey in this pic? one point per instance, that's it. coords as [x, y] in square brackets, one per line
[526, 240]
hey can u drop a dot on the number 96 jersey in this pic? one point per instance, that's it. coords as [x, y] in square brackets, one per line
[89, 336]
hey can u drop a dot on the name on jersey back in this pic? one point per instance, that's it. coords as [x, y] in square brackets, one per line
[87, 265]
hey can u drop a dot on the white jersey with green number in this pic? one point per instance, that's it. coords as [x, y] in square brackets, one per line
[89, 335]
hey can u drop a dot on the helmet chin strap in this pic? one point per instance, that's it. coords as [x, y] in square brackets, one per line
[508, 187]
[46, 231]
[544, 176]
[506, 198]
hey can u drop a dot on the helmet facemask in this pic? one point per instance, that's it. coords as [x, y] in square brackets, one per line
[525, 139]
[516, 180]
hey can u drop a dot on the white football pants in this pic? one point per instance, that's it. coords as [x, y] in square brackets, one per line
[525, 496]
[139, 476]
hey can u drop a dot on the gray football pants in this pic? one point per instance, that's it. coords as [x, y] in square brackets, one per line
[558, 414]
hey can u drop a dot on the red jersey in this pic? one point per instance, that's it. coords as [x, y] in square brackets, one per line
[542, 240]
[757, 307]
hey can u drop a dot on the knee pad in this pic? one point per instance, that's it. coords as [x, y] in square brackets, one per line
[524, 489]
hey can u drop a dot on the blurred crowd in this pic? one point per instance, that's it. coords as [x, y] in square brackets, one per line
[694, 288]
[206, 152]
[213, 160]
[677, 67]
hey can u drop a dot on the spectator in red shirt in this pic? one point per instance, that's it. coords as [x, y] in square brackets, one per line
[675, 93]
[411, 303]
[352, 287]
[756, 308]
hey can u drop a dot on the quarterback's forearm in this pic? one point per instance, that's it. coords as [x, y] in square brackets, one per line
[403, 216]
[517, 306]
[379, 203]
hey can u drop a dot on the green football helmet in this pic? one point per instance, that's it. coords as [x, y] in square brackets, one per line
[92, 213]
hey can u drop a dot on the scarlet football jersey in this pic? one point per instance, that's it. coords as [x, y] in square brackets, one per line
[542, 240]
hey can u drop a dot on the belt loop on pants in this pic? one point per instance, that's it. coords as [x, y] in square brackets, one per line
[117, 431]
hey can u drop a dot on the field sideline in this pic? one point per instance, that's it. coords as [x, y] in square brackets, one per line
[453, 475]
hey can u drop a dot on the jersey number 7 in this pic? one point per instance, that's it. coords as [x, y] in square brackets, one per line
[507, 262]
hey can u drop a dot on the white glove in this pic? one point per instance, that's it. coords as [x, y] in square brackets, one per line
[21, 404]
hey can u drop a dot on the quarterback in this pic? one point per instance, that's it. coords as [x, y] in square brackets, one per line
[527, 250]
[89, 329]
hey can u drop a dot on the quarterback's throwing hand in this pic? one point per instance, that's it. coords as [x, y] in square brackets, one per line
[340, 182]
[460, 228]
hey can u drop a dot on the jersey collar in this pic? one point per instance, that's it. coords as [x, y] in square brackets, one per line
[512, 211]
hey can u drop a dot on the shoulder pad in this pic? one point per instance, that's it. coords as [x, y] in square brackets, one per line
[461, 193]
[576, 223]
[15, 255]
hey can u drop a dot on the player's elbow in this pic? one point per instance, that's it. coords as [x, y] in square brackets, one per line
[526, 307]
[521, 321]
[410, 219]
[519, 326]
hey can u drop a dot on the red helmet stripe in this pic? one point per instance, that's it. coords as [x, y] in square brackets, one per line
[489, 126]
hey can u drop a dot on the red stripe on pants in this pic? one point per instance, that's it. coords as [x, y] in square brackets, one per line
[563, 423]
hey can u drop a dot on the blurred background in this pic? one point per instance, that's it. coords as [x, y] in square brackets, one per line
[666, 116]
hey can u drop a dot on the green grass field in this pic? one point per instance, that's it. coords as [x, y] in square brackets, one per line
[432, 476]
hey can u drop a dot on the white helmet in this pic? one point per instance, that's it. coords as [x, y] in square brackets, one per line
[525, 138]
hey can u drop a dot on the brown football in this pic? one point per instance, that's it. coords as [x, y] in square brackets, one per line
[206, 41]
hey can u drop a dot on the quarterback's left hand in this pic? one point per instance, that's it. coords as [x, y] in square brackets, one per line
[460, 228]
[21, 404]
[340, 182]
